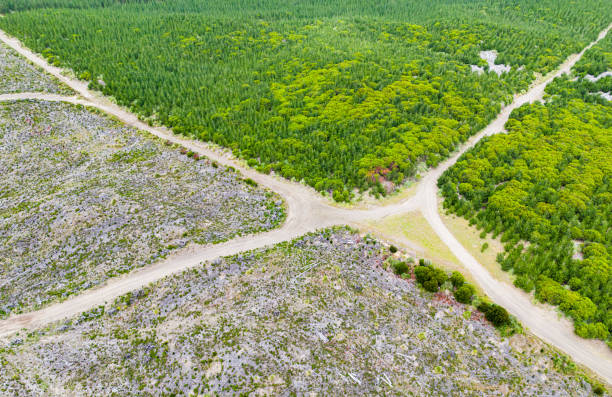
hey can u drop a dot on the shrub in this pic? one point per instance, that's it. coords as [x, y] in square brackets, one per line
[422, 274]
[464, 293]
[578, 307]
[439, 275]
[429, 277]
[496, 314]
[483, 307]
[524, 282]
[599, 390]
[400, 268]
[250, 182]
[341, 196]
[575, 283]
[457, 279]
[593, 330]
[393, 249]
[431, 286]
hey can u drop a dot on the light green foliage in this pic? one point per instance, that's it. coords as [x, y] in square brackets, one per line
[341, 94]
[548, 182]
[592, 80]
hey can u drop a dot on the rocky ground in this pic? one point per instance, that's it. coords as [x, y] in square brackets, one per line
[316, 316]
[18, 75]
[84, 198]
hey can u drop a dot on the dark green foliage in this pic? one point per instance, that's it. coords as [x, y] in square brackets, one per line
[431, 286]
[341, 94]
[496, 314]
[483, 307]
[548, 181]
[400, 268]
[464, 294]
[250, 182]
[422, 273]
[429, 277]
[393, 249]
[457, 279]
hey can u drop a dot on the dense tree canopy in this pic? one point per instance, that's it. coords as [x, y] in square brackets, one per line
[340, 94]
[545, 187]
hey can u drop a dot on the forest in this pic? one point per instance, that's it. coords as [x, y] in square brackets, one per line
[545, 188]
[344, 96]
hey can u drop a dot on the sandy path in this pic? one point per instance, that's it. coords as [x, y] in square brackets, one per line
[308, 211]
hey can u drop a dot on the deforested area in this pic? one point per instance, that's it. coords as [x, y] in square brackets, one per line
[319, 315]
[85, 198]
[18, 75]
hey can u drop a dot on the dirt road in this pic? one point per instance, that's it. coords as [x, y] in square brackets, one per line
[308, 211]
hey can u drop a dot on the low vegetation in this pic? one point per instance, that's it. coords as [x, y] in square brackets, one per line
[315, 315]
[85, 198]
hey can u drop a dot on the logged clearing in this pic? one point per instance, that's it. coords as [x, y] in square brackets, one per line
[85, 199]
[314, 315]
[18, 75]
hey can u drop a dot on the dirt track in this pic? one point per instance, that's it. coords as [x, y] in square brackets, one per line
[308, 211]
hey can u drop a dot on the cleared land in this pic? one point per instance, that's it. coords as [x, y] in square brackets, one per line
[85, 198]
[18, 75]
[317, 314]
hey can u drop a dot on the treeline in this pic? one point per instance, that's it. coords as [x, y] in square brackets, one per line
[566, 17]
[545, 188]
[21, 5]
[341, 104]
